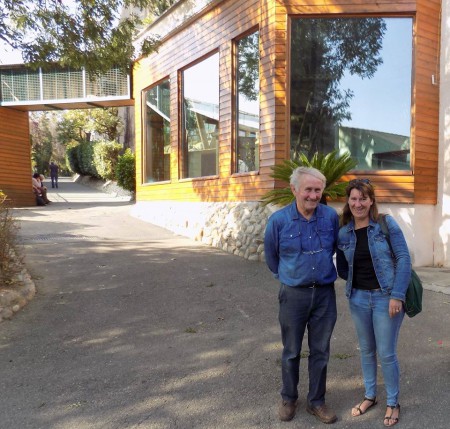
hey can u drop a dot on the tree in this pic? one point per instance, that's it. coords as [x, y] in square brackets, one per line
[89, 124]
[107, 123]
[322, 51]
[94, 34]
[75, 125]
[41, 141]
[248, 68]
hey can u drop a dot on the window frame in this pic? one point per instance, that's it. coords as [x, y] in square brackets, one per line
[183, 158]
[235, 103]
[144, 150]
[359, 172]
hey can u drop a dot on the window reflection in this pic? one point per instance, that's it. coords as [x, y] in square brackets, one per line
[247, 106]
[157, 133]
[351, 89]
[201, 118]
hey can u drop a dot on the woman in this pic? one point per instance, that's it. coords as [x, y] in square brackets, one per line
[377, 277]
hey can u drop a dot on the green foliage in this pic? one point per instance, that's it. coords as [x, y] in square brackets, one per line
[331, 165]
[8, 239]
[85, 154]
[41, 142]
[89, 124]
[107, 123]
[72, 157]
[126, 171]
[248, 66]
[75, 125]
[91, 34]
[106, 155]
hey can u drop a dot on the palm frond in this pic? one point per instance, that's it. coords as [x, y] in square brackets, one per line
[332, 165]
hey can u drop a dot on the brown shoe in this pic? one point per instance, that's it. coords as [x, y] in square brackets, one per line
[323, 413]
[286, 410]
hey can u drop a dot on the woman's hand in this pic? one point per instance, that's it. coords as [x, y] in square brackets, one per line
[395, 307]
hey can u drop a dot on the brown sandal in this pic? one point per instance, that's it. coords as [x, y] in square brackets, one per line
[373, 402]
[394, 419]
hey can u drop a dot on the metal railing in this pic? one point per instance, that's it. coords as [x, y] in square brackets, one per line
[24, 86]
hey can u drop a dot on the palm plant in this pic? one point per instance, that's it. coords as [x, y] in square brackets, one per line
[332, 165]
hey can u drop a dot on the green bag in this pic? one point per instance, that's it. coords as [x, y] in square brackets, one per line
[413, 300]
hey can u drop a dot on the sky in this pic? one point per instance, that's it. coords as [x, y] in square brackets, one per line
[383, 103]
[9, 56]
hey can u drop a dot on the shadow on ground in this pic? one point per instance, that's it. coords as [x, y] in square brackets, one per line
[135, 327]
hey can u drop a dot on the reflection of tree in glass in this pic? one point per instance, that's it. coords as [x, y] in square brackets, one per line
[248, 66]
[322, 50]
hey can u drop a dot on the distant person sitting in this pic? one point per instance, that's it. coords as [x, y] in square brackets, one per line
[39, 190]
[54, 174]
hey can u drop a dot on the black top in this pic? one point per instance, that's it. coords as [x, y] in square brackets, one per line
[363, 272]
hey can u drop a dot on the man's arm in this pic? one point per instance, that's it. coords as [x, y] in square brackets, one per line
[271, 246]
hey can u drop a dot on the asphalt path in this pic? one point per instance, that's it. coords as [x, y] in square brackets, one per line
[135, 327]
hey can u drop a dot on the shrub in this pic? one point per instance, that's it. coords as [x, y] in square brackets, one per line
[126, 171]
[85, 153]
[332, 165]
[8, 229]
[72, 157]
[106, 155]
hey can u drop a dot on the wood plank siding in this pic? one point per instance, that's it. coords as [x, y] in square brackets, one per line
[215, 31]
[15, 157]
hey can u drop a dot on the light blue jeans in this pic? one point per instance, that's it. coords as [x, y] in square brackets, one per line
[377, 334]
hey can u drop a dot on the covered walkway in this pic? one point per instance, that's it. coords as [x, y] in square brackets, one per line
[27, 89]
[22, 90]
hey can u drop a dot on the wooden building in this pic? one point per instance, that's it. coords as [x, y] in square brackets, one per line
[15, 157]
[345, 75]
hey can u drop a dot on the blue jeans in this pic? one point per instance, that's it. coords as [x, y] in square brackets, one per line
[377, 333]
[302, 308]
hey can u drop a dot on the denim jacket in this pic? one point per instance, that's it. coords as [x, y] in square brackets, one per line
[300, 251]
[393, 269]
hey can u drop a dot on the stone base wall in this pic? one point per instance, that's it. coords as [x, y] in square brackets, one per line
[235, 227]
[239, 227]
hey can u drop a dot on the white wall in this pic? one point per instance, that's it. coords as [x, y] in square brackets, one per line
[442, 211]
[194, 220]
[416, 222]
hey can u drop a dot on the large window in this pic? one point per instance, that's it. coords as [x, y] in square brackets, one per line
[351, 89]
[157, 133]
[201, 118]
[247, 103]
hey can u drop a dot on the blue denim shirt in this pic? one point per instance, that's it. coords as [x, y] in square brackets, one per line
[300, 251]
[393, 270]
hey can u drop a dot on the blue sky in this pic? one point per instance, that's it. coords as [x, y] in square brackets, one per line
[383, 103]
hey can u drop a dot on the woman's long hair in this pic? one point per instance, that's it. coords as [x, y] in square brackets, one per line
[365, 187]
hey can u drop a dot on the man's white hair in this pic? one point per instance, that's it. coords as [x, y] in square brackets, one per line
[301, 171]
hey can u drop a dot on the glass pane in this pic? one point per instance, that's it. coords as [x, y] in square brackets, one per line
[351, 89]
[247, 74]
[157, 133]
[201, 118]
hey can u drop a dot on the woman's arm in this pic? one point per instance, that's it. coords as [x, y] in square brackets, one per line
[341, 264]
[402, 259]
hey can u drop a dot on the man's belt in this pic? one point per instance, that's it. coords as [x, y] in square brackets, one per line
[315, 285]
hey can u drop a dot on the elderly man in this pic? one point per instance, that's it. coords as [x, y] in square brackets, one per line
[300, 241]
[38, 188]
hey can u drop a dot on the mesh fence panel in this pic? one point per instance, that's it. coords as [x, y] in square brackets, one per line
[21, 85]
